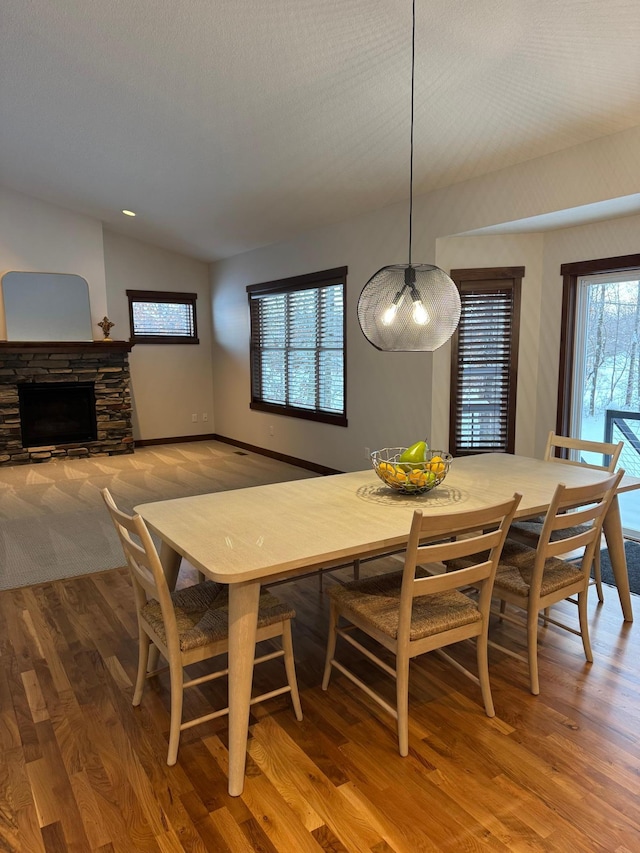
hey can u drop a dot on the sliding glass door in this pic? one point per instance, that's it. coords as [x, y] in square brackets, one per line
[605, 394]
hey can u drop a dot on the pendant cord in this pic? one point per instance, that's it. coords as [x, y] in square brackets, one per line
[413, 66]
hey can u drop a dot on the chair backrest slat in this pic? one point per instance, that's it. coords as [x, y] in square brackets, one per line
[560, 547]
[577, 516]
[441, 551]
[564, 442]
[489, 527]
[589, 505]
[452, 580]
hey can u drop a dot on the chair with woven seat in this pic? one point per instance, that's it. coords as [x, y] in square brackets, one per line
[528, 531]
[535, 578]
[190, 625]
[411, 612]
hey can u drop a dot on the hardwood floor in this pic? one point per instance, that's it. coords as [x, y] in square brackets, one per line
[81, 770]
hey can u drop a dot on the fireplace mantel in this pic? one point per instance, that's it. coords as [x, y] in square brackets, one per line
[64, 346]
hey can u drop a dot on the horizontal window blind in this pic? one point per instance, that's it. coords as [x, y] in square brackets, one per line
[159, 317]
[484, 370]
[162, 318]
[297, 350]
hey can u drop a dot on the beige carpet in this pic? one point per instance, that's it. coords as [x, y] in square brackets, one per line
[53, 523]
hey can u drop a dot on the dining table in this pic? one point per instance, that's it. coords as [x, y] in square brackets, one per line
[253, 536]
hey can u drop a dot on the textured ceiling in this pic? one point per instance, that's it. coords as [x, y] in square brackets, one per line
[229, 124]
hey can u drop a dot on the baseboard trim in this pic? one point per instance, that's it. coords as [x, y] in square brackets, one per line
[179, 439]
[214, 436]
[281, 457]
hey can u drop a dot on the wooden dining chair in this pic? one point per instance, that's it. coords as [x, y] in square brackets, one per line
[528, 531]
[411, 613]
[535, 578]
[190, 625]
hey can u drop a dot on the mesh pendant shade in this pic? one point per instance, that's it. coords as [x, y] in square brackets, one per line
[409, 308]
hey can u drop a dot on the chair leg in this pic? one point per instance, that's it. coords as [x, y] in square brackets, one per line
[503, 607]
[331, 644]
[356, 569]
[402, 702]
[289, 665]
[545, 616]
[584, 625]
[143, 662]
[532, 645]
[483, 672]
[177, 679]
[597, 573]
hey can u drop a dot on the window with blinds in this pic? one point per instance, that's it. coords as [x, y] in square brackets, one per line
[484, 359]
[298, 346]
[162, 317]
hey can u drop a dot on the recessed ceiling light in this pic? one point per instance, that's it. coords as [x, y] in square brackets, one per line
[128, 212]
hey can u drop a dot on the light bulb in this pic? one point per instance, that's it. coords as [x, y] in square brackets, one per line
[420, 313]
[390, 314]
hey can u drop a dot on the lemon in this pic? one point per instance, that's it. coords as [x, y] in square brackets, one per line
[437, 465]
[418, 478]
[398, 475]
[387, 471]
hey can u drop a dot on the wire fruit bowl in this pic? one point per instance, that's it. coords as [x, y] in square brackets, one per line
[410, 478]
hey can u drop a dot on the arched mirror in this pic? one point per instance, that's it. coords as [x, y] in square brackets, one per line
[45, 306]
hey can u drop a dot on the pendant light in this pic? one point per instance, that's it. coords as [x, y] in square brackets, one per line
[409, 307]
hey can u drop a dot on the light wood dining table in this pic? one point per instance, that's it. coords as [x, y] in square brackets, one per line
[249, 537]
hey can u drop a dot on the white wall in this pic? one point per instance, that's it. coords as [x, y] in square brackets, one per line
[595, 171]
[40, 237]
[170, 382]
[395, 398]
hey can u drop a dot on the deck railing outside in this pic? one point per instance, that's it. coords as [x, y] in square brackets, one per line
[625, 426]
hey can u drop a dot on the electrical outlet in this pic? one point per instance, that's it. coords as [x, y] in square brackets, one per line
[367, 453]
[194, 418]
[271, 430]
[205, 417]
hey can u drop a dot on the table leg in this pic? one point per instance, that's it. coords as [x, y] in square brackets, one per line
[612, 528]
[171, 564]
[244, 600]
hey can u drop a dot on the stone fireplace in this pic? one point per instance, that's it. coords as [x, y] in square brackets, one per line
[61, 399]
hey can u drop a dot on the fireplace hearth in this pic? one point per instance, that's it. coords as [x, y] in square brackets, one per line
[64, 399]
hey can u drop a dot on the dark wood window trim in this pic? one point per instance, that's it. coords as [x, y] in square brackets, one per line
[309, 281]
[570, 274]
[487, 280]
[164, 296]
[337, 275]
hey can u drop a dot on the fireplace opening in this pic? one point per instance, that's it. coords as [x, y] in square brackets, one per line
[57, 413]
